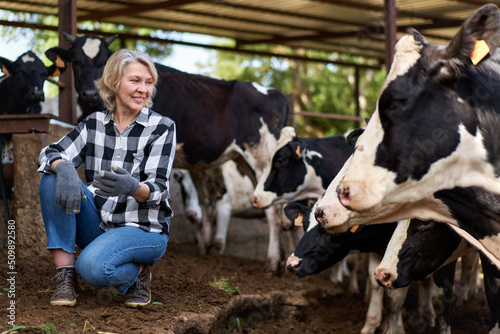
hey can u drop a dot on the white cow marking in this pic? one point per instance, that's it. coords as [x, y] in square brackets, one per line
[91, 47]
[27, 58]
[261, 89]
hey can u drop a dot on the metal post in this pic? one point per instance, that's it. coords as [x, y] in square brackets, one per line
[390, 31]
[356, 94]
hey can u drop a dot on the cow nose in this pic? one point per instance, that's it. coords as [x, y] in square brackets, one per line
[291, 263]
[384, 278]
[90, 95]
[319, 214]
[37, 94]
[255, 202]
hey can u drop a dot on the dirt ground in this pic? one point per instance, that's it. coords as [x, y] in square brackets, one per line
[185, 302]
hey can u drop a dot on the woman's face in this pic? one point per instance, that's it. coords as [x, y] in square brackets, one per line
[134, 89]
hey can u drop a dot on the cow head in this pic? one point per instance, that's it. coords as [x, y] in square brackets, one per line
[435, 123]
[416, 250]
[26, 77]
[88, 55]
[317, 250]
[302, 168]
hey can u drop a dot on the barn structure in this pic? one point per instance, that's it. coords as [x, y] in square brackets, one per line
[368, 28]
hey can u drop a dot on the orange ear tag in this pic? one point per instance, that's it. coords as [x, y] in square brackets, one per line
[297, 151]
[299, 221]
[354, 228]
[480, 51]
[59, 62]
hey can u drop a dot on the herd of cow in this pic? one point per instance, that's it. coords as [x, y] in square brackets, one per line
[429, 155]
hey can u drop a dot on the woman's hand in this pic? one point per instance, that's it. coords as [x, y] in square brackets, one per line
[116, 183]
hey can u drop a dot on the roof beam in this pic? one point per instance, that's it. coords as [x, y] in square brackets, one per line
[213, 47]
[135, 9]
[377, 8]
[363, 31]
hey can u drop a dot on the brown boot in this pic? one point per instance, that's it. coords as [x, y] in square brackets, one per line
[139, 294]
[66, 288]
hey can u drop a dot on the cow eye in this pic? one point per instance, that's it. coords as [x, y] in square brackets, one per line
[396, 105]
[280, 162]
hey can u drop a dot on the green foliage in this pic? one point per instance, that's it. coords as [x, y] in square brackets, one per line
[224, 284]
[316, 87]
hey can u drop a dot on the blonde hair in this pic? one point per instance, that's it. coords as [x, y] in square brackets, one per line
[115, 69]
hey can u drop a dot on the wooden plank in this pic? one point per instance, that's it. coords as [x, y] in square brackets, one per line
[26, 123]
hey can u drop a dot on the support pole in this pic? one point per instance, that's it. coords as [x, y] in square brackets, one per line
[390, 31]
[67, 93]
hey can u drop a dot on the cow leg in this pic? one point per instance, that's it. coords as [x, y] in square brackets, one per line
[354, 260]
[374, 314]
[273, 215]
[426, 311]
[491, 289]
[396, 298]
[223, 217]
[444, 279]
[468, 278]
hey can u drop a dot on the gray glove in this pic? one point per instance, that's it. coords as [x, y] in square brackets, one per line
[115, 184]
[69, 191]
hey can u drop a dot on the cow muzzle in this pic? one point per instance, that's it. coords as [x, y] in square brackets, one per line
[384, 278]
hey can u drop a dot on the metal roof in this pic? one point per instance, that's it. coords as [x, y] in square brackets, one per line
[337, 26]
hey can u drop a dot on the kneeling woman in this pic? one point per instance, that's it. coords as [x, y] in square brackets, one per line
[121, 217]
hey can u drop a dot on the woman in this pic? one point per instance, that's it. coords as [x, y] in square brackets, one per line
[121, 217]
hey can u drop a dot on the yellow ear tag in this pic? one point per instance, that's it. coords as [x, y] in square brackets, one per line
[354, 228]
[297, 151]
[480, 51]
[59, 62]
[5, 71]
[299, 221]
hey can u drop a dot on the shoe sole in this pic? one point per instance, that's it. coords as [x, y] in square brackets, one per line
[136, 304]
[63, 302]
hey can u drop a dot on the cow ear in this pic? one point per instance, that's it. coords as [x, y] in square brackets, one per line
[58, 56]
[7, 66]
[295, 146]
[295, 211]
[476, 39]
[353, 136]
[57, 68]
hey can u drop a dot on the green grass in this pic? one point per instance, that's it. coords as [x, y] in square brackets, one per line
[224, 284]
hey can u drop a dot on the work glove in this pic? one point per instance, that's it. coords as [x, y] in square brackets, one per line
[69, 191]
[115, 183]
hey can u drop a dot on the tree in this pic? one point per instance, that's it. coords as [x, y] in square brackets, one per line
[316, 87]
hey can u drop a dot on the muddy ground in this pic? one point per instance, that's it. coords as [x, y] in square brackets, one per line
[185, 302]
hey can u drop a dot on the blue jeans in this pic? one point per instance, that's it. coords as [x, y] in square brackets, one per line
[111, 258]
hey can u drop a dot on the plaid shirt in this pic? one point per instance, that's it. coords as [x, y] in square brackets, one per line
[146, 149]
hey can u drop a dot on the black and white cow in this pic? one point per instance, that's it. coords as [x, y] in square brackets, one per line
[302, 168]
[417, 249]
[21, 87]
[216, 120]
[432, 138]
[319, 250]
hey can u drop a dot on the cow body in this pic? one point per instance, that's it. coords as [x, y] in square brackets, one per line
[418, 249]
[301, 168]
[21, 88]
[430, 140]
